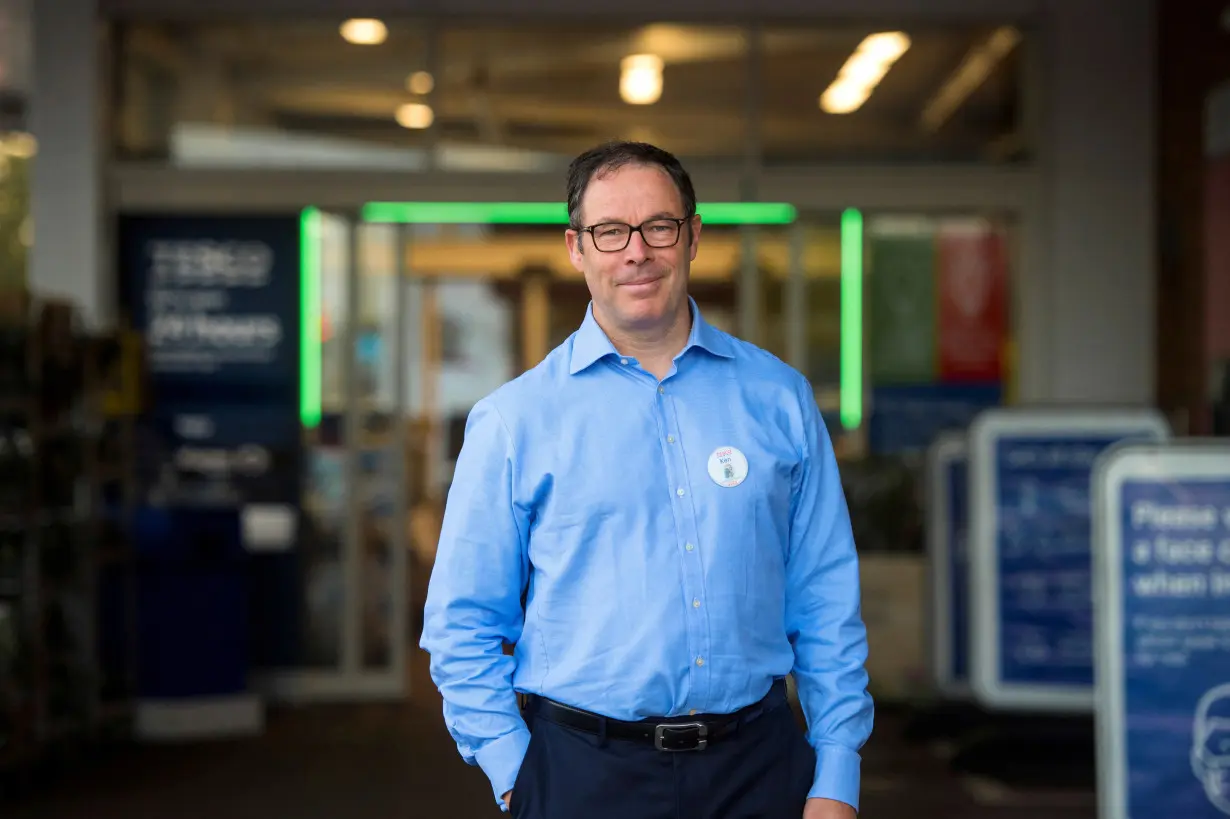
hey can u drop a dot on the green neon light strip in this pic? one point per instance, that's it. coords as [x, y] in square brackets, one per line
[555, 213]
[851, 318]
[310, 353]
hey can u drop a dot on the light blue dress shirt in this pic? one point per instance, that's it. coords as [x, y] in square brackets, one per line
[651, 589]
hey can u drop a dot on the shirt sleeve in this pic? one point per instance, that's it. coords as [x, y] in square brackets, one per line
[473, 602]
[823, 617]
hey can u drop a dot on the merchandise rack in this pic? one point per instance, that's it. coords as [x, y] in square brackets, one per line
[66, 496]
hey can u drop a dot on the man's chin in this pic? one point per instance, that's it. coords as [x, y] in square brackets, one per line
[643, 314]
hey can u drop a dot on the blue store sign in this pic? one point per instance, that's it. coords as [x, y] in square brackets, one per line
[1163, 618]
[1031, 551]
[217, 300]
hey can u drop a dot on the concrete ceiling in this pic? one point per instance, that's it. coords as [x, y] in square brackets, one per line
[556, 90]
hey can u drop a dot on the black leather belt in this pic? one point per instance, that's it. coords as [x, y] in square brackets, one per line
[665, 734]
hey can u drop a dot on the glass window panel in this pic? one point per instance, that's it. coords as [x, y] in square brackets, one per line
[377, 486]
[498, 97]
[938, 341]
[953, 95]
[561, 89]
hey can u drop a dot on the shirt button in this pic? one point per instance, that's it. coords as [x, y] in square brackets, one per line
[623, 361]
[679, 492]
[670, 439]
[689, 547]
[696, 603]
[700, 660]
[661, 390]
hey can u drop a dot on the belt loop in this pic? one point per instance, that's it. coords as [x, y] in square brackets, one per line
[601, 732]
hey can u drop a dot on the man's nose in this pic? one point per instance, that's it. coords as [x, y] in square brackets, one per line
[637, 250]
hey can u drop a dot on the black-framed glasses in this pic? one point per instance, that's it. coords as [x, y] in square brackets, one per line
[611, 237]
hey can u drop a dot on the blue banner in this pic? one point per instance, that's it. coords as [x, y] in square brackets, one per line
[217, 301]
[1043, 547]
[1175, 560]
[907, 419]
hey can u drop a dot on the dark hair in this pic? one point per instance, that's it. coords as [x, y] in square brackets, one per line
[612, 156]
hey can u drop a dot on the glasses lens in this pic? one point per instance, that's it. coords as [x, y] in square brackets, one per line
[662, 233]
[611, 237]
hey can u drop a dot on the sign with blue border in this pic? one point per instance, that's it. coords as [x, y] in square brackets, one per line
[948, 563]
[1031, 550]
[1162, 582]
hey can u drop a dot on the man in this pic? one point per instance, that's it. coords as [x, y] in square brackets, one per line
[653, 516]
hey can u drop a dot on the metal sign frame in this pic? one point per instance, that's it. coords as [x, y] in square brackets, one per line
[948, 449]
[985, 433]
[1192, 459]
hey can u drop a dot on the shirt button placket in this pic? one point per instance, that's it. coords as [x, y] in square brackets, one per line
[691, 569]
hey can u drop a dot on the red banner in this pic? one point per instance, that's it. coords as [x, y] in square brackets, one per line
[973, 314]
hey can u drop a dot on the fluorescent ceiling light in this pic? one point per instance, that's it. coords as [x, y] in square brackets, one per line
[640, 79]
[972, 73]
[364, 31]
[863, 71]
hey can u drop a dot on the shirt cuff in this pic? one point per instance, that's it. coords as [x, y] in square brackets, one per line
[838, 774]
[501, 760]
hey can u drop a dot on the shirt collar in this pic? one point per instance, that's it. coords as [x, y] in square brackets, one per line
[591, 344]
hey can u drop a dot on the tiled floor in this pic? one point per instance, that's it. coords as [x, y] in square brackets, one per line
[394, 762]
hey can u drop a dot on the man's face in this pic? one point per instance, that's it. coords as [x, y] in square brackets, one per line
[640, 286]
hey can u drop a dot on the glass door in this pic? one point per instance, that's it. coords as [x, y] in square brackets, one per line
[476, 318]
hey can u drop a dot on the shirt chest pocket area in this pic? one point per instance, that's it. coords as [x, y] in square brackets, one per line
[743, 513]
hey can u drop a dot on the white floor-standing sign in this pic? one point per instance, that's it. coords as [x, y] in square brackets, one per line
[1162, 528]
[948, 566]
[1030, 551]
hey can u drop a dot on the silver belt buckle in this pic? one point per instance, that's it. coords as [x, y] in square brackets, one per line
[702, 732]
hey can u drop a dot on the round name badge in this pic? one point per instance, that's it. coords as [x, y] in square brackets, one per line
[727, 466]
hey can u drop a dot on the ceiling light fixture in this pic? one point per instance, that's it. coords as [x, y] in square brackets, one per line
[863, 71]
[640, 79]
[421, 83]
[974, 70]
[364, 31]
[415, 115]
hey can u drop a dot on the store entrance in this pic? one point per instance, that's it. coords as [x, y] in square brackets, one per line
[423, 310]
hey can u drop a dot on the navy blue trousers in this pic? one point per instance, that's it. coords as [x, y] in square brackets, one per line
[763, 771]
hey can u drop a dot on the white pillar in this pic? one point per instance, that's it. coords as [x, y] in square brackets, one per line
[1098, 155]
[69, 258]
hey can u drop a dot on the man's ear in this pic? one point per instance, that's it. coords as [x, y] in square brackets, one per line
[575, 243]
